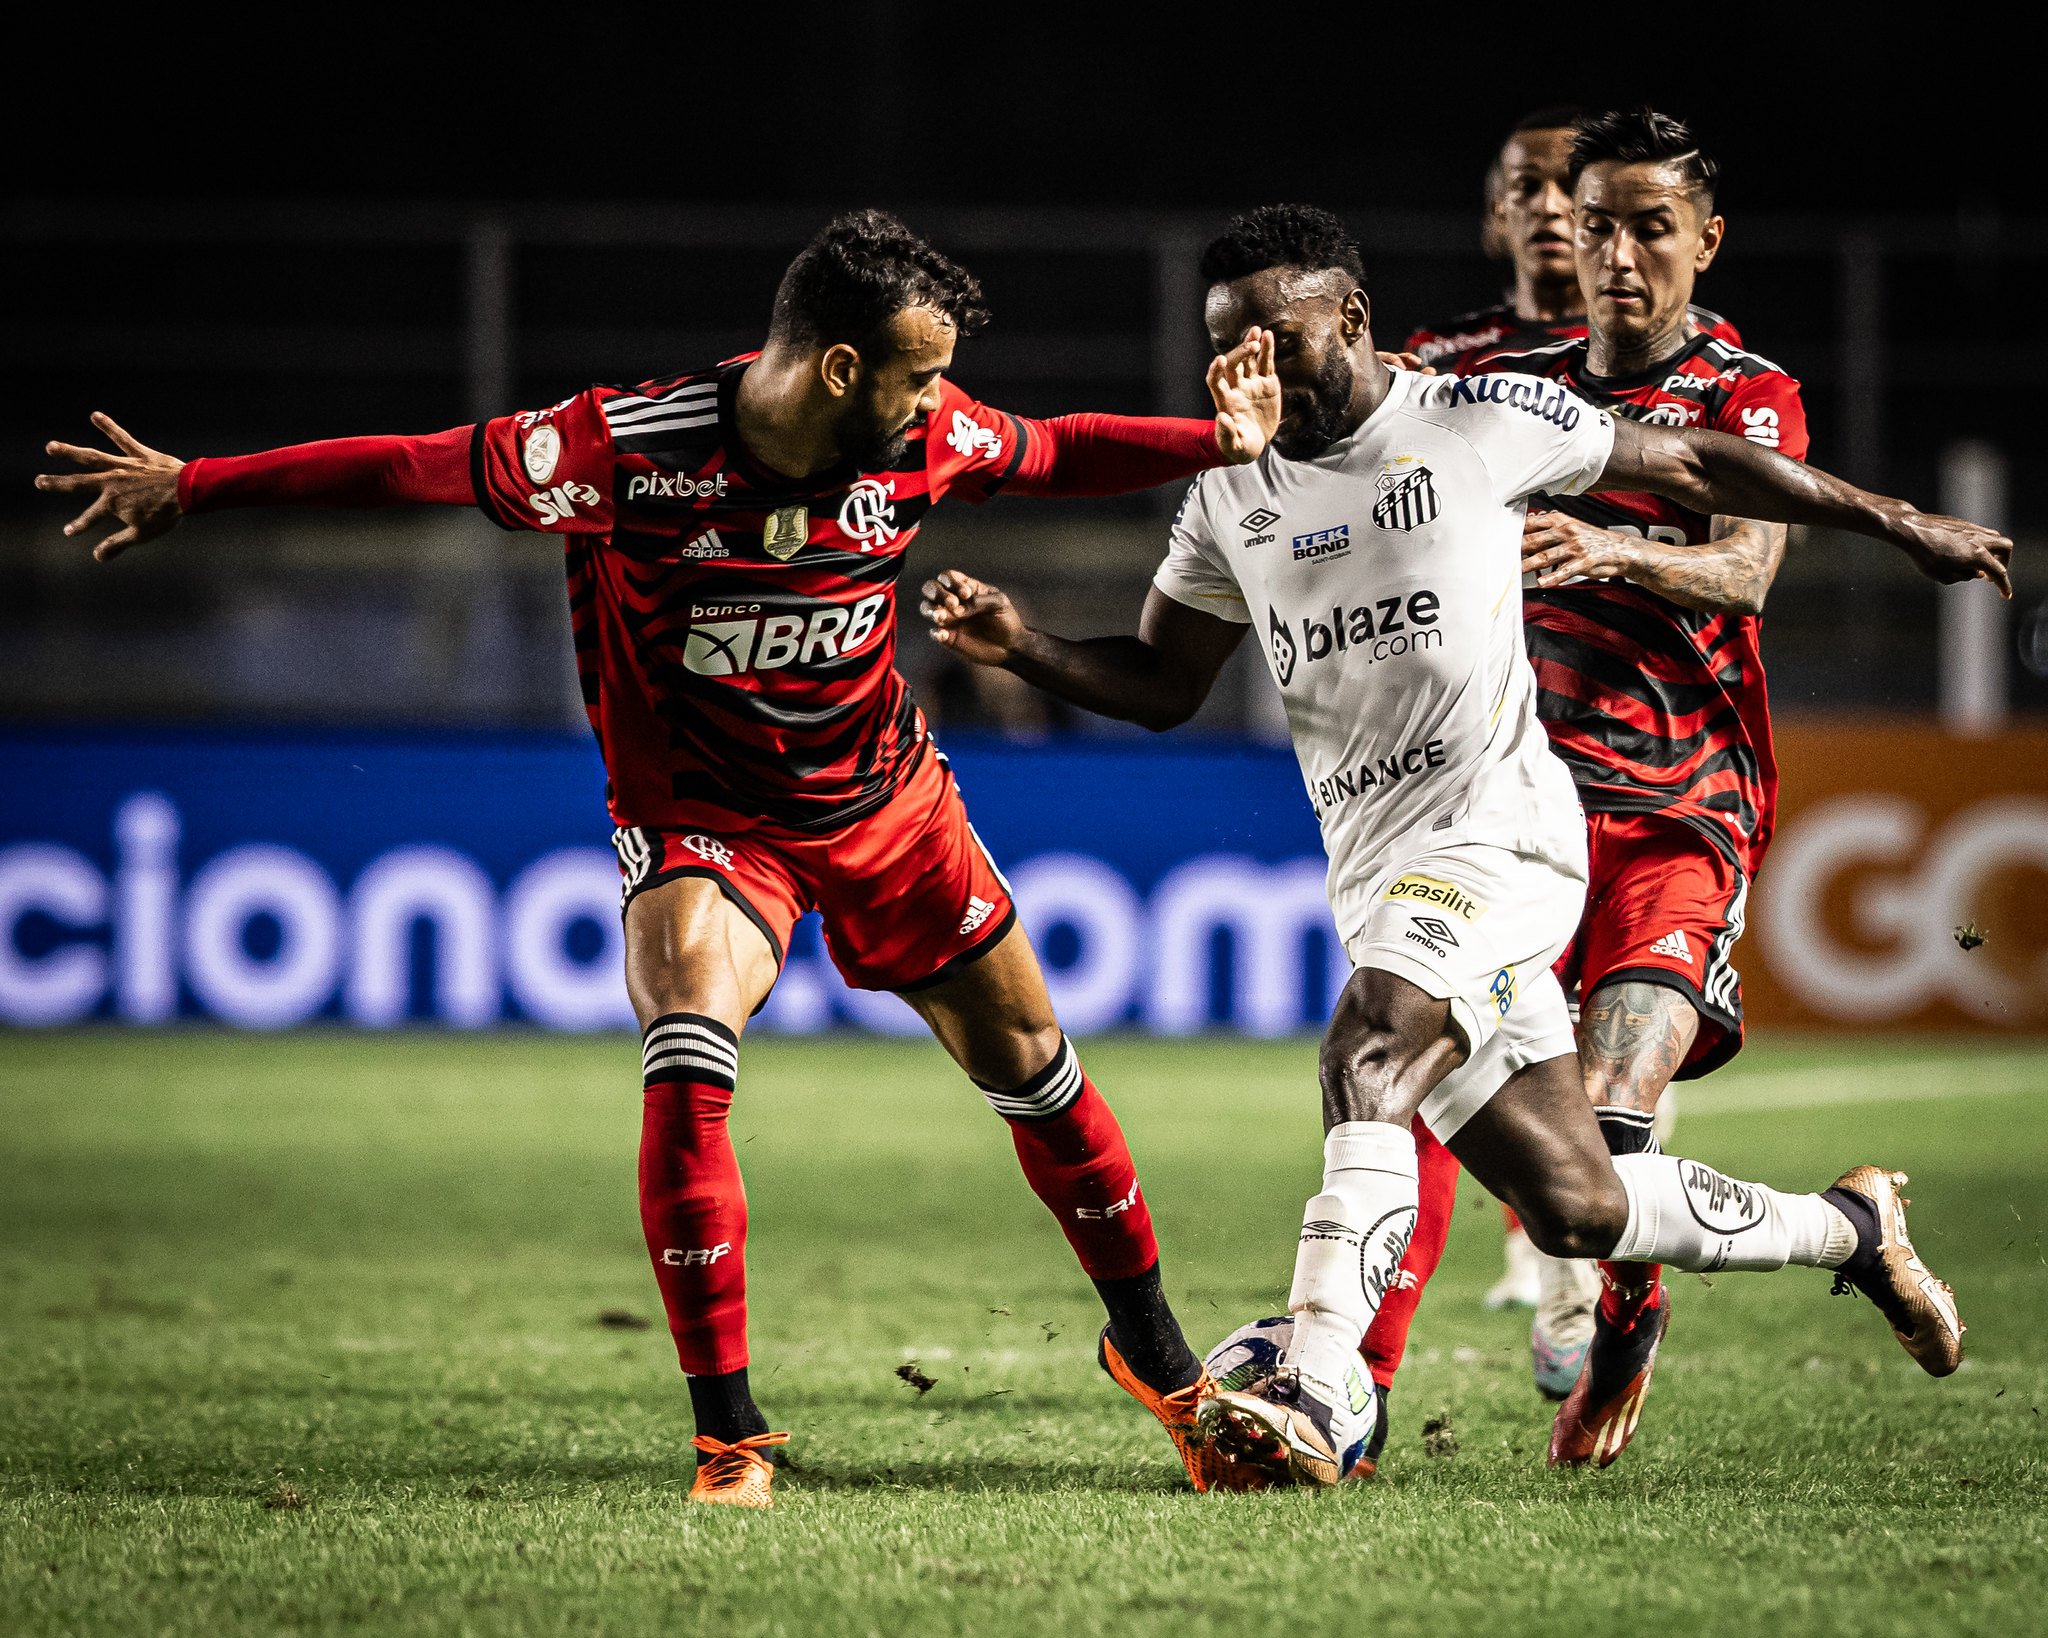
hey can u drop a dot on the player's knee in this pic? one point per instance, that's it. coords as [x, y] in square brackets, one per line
[1578, 1216]
[1359, 1072]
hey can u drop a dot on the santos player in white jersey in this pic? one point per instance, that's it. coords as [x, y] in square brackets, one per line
[1375, 549]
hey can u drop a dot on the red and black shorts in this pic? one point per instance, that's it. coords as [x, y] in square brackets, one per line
[1663, 906]
[907, 894]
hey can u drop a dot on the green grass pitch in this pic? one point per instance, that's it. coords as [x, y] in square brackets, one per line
[301, 1334]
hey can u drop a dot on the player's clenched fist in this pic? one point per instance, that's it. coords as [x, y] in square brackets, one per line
[974, 620]
[137, 488]
[1247, 394]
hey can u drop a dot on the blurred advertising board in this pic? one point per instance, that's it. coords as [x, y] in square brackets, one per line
[1890, 841]
[270, 879]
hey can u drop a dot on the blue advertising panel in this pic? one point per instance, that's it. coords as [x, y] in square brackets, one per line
[265, 879]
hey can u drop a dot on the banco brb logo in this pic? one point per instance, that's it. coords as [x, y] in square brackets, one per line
[1919, 887]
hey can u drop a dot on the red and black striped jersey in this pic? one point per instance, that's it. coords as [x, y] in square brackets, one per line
[1657, 708]
[1461, 345]
[735, 630]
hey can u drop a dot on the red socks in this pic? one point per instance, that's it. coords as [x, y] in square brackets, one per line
[1437, 1184]
[693, 1207]
[1075, 1159]
[1626, 1289]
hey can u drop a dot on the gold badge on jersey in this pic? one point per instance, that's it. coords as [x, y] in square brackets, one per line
[787, 529]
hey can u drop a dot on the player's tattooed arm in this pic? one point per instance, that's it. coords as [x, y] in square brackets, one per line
[1713, 472]
[136, 488]
[1730, 573]
[1157, 679]
[1633, 1037]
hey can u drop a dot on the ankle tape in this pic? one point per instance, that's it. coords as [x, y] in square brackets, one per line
[687, 1046]
[1628, 1131]
[1050, 1092]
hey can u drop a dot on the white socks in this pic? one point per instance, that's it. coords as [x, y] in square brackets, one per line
[1690, 1216]
[1353, 1236]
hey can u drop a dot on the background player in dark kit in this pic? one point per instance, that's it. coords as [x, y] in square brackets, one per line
[732, 538]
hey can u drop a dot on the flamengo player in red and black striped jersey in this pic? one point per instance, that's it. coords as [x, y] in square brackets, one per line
[1642, 627]
[1529, 210]
[733, 537]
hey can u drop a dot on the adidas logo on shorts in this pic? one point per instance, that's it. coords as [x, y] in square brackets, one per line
[1673, 944]
[978, 911]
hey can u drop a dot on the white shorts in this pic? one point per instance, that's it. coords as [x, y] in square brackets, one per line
[1478, 926]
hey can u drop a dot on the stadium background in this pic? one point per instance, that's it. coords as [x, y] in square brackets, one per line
[362, 243]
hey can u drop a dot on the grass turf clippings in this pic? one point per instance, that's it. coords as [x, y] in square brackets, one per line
[331, 1333]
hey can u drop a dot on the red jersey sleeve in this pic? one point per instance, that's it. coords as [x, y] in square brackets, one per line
[546, 469]
[1766, 410]
[970, 447]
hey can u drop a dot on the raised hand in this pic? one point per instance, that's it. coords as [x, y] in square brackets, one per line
[974, 620]
[1247, 394]
[1952, 550]
[137, 488]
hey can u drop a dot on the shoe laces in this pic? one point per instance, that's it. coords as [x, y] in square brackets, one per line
[730, 1463]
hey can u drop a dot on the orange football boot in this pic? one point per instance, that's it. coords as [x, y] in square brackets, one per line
[1598, 1417]
[1176, 1412]
[737, 1474]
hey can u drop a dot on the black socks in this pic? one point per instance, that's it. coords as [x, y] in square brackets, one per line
[1142, 1326]
[725, 1407]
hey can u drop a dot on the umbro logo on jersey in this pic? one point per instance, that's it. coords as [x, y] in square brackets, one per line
[868, 514]
[978, 911]
[1673, 944]
[1408, 499]
[970, 438]
[561, 502]
[1259, 522]
[725, 647]
[1436, 927]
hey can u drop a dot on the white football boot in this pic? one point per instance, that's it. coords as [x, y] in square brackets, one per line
[1563, 1327]
[1520, 1283]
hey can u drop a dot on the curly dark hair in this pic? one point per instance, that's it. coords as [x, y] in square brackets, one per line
[1281, 236]
[862, 269]
[1639, 136]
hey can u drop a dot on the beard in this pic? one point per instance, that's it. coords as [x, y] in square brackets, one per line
[1315, 417]
[864, 442]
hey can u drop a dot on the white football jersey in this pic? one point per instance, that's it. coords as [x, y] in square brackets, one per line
[1384, 580]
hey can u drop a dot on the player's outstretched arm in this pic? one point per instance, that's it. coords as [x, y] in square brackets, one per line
[1728, 574]
[1157, 679]
[1713, 472]
[147, 491]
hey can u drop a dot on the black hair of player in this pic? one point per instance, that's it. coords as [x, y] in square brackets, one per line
[863, 268]
[1642, 136]
[1301, 236]
[1559, 116]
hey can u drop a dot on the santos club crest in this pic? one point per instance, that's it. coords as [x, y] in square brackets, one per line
[1408, 497]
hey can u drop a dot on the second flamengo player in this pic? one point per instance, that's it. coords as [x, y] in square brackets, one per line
[1644, 633]
[733, 537]
[1375, 550]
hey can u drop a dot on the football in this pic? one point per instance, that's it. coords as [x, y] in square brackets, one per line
[1249, 1358]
